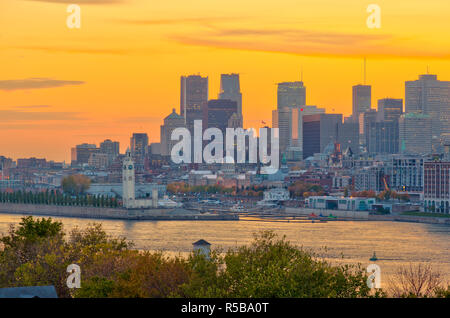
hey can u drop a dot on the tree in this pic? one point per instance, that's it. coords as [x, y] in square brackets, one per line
[75, 184]
[416, 281]
[272, 267]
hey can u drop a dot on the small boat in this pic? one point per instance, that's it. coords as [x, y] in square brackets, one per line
[374, 257]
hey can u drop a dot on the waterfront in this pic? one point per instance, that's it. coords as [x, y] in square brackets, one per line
[396, 243]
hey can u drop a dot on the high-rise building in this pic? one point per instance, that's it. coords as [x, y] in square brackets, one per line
[193, 98]
[111, 148]
[289, 121]
[282, 119]
[218, 113]
[362, 96]
[348, 136]
[382, 137]
[171, 122]
[389, 109]
[366, 120]
[139, 149]
[406, 173]
[415, 133]
[430, 96]
[291, 94]
[81, 153]
[319, 131]
[436, 187]
[230, 88]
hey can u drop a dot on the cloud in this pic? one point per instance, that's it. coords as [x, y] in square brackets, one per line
[32, 106]
[35, 83]
[79, 2]
[202, 20]
[140, 119]
[49, 49]
[307, 42]
[11, 116]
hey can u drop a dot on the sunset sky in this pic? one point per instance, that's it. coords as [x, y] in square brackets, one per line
[120, 73]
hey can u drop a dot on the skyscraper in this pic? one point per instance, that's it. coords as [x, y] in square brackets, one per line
[193, 98]
[291, 94]
[415, 133]
[366, 120]
[319, 131]
[230, 88]
[362, 96]
[382, 137]
[139, 148]
[282, 119]
[111, 148]
[289, 121]
[218, 113]
[389, 109]
[81, 153]
[430, 96]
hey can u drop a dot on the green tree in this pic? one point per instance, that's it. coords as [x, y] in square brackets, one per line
[75, 184]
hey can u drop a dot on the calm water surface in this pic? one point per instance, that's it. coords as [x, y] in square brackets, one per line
[395, 243]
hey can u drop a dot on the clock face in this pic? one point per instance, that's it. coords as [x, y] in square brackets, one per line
[130, 167]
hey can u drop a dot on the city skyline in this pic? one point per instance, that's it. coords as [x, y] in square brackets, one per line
[124, 145]
[116, 75]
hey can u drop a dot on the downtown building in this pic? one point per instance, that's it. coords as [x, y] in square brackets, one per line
[406, 173]
[415, 133]
[111, 149]
[322, 131]
[220, 113]
[139, 149]
[230, 89]
[436, 187]
[361, 100]
[80, 154]
[171, 122]
[430, 96]
[291, 94]
[289, 121]
[193, 99]
[379, 130]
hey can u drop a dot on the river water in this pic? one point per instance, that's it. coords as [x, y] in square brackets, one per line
[395, 243]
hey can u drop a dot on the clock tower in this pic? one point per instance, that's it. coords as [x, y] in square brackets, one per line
[128, 194]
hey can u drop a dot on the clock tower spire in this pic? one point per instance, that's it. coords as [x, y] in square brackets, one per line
[128, 180]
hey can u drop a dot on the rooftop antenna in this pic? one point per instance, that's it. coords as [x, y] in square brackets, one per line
[301, 74]
[364, 70]
[428, 69]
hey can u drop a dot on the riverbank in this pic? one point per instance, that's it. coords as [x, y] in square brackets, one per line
[175, 214]
[410, 218]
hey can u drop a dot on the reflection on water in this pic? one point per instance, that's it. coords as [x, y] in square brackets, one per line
[395, 243]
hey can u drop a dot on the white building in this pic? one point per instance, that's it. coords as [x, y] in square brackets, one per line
[339, 203]
[273, 196]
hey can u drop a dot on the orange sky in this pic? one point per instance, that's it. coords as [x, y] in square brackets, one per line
[120, 72]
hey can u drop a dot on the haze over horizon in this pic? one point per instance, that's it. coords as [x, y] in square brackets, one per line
[120, 73]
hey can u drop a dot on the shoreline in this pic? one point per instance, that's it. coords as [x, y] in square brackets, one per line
[161, 214]
[180, 214]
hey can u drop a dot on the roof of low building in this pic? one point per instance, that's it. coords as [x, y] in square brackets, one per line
[29, 292]
[201, 242]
